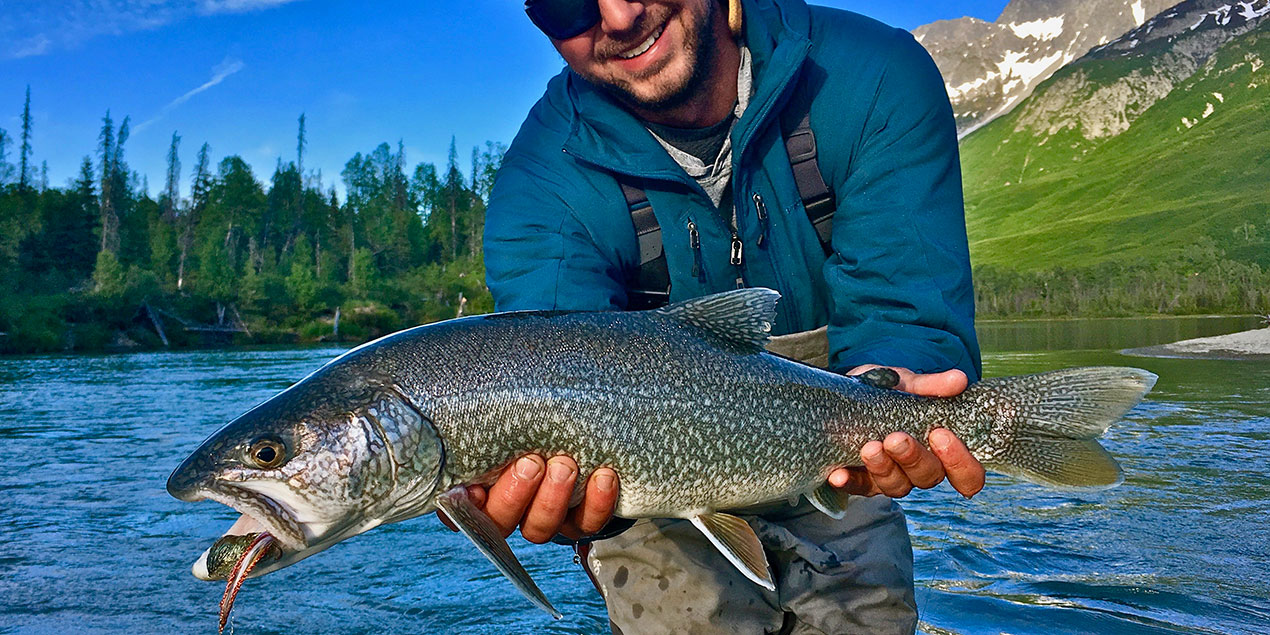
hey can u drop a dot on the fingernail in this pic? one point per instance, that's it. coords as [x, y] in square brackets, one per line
[938, 439]
[872, 457]
[527, 468]
[903, 445]
[605, 482]
[559, 472]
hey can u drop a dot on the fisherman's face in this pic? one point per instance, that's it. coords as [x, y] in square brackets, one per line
[652, 54]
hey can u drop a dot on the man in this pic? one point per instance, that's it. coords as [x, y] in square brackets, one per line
[684, 102]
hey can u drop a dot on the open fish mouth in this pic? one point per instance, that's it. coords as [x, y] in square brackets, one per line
[259, 515]
[219, 561]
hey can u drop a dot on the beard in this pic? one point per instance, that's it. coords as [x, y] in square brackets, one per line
[699, 47]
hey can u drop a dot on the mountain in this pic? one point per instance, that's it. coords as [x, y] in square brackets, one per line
[1149, 145]
[989, 67]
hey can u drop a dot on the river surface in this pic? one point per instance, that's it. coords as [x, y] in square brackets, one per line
[90, 541]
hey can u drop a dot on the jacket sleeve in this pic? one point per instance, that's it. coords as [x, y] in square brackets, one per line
[538, 256]
[899, 275]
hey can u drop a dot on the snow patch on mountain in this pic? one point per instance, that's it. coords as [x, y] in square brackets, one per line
[989, 67]
[1043, 30]
[1163, 53]
[1223, 14]
[1021, 70]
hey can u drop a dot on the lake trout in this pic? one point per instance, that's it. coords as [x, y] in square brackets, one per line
[683, 402]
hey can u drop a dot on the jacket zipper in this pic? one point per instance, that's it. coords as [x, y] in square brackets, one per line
[761, 208]
[694, 242]
[738, 259]
[738, 251]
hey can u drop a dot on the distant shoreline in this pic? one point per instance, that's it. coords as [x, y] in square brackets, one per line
[1073, 318]
[1246, 345]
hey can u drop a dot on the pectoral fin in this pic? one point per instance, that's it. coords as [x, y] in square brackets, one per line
[736, 540]
[482, 531]
[830, 500]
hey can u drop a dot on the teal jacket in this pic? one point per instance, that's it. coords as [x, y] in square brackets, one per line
[895, 291]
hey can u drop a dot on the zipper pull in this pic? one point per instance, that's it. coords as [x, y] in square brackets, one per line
[738, 259]
[694, 241]
[761, 208]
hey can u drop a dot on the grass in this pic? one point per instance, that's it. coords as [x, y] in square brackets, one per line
[1035, 204]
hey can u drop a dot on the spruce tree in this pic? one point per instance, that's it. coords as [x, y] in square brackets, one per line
[454, 197]
[199, 192]
[172, 189]
[109, 215]
[6, 170]
[24, 165]
[302, 143]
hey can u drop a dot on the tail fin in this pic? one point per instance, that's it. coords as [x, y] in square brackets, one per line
[1050, 421]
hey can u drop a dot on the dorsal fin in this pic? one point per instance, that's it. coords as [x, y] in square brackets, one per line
[743, 316]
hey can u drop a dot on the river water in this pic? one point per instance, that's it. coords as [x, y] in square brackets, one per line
[90, 541]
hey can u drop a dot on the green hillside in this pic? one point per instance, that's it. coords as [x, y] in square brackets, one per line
[1036, 201]
[1184, 185]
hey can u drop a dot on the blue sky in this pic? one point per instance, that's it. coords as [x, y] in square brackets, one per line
[238, 73]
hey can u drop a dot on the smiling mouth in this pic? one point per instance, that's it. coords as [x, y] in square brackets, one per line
[643, 46]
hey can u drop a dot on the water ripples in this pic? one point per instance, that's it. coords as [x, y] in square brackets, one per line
[92, 543]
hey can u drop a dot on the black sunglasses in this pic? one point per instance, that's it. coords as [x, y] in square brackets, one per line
[563, 19]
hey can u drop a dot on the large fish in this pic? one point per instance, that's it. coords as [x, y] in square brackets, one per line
[683, 402]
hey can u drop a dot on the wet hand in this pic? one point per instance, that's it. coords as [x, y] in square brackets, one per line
[897, 464]
[534, 495]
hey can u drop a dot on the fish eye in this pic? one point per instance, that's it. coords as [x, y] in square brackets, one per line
[267, 453]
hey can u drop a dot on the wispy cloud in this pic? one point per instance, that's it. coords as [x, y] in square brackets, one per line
[37, 27]
[32, 46]
[239, 6]
[219, 74]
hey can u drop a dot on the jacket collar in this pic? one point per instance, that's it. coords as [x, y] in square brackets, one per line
[604, 134]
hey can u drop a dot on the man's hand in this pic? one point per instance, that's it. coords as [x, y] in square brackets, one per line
[535, 494]
[894, 466]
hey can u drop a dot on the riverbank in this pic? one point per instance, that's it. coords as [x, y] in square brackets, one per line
[1251, 345]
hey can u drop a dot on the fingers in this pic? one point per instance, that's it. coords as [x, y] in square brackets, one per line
[855, 481]
[965, 472]
[535, 495]
[949, 383]
[888, 478]
[898, 464]
[918, 464]
[551, 504]
[511, 495]
[597, 506]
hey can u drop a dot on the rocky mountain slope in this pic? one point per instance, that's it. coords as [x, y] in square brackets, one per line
[1152, 143]
[989, 67]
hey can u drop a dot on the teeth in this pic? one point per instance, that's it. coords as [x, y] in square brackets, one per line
[642, 48]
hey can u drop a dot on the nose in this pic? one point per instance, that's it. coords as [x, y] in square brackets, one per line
[185, 481]
[620, 16]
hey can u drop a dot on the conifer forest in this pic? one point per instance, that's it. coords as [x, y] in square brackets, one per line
[221, 255]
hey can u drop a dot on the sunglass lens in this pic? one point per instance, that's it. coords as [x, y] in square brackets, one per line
[563, 19]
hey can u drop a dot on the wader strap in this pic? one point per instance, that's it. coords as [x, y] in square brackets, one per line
[818, 199]
[650, 287]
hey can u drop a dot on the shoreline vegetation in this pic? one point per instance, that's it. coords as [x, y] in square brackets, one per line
[101, 264]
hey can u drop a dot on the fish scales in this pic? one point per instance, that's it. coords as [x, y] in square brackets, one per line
[681, 421]
[682, 402]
